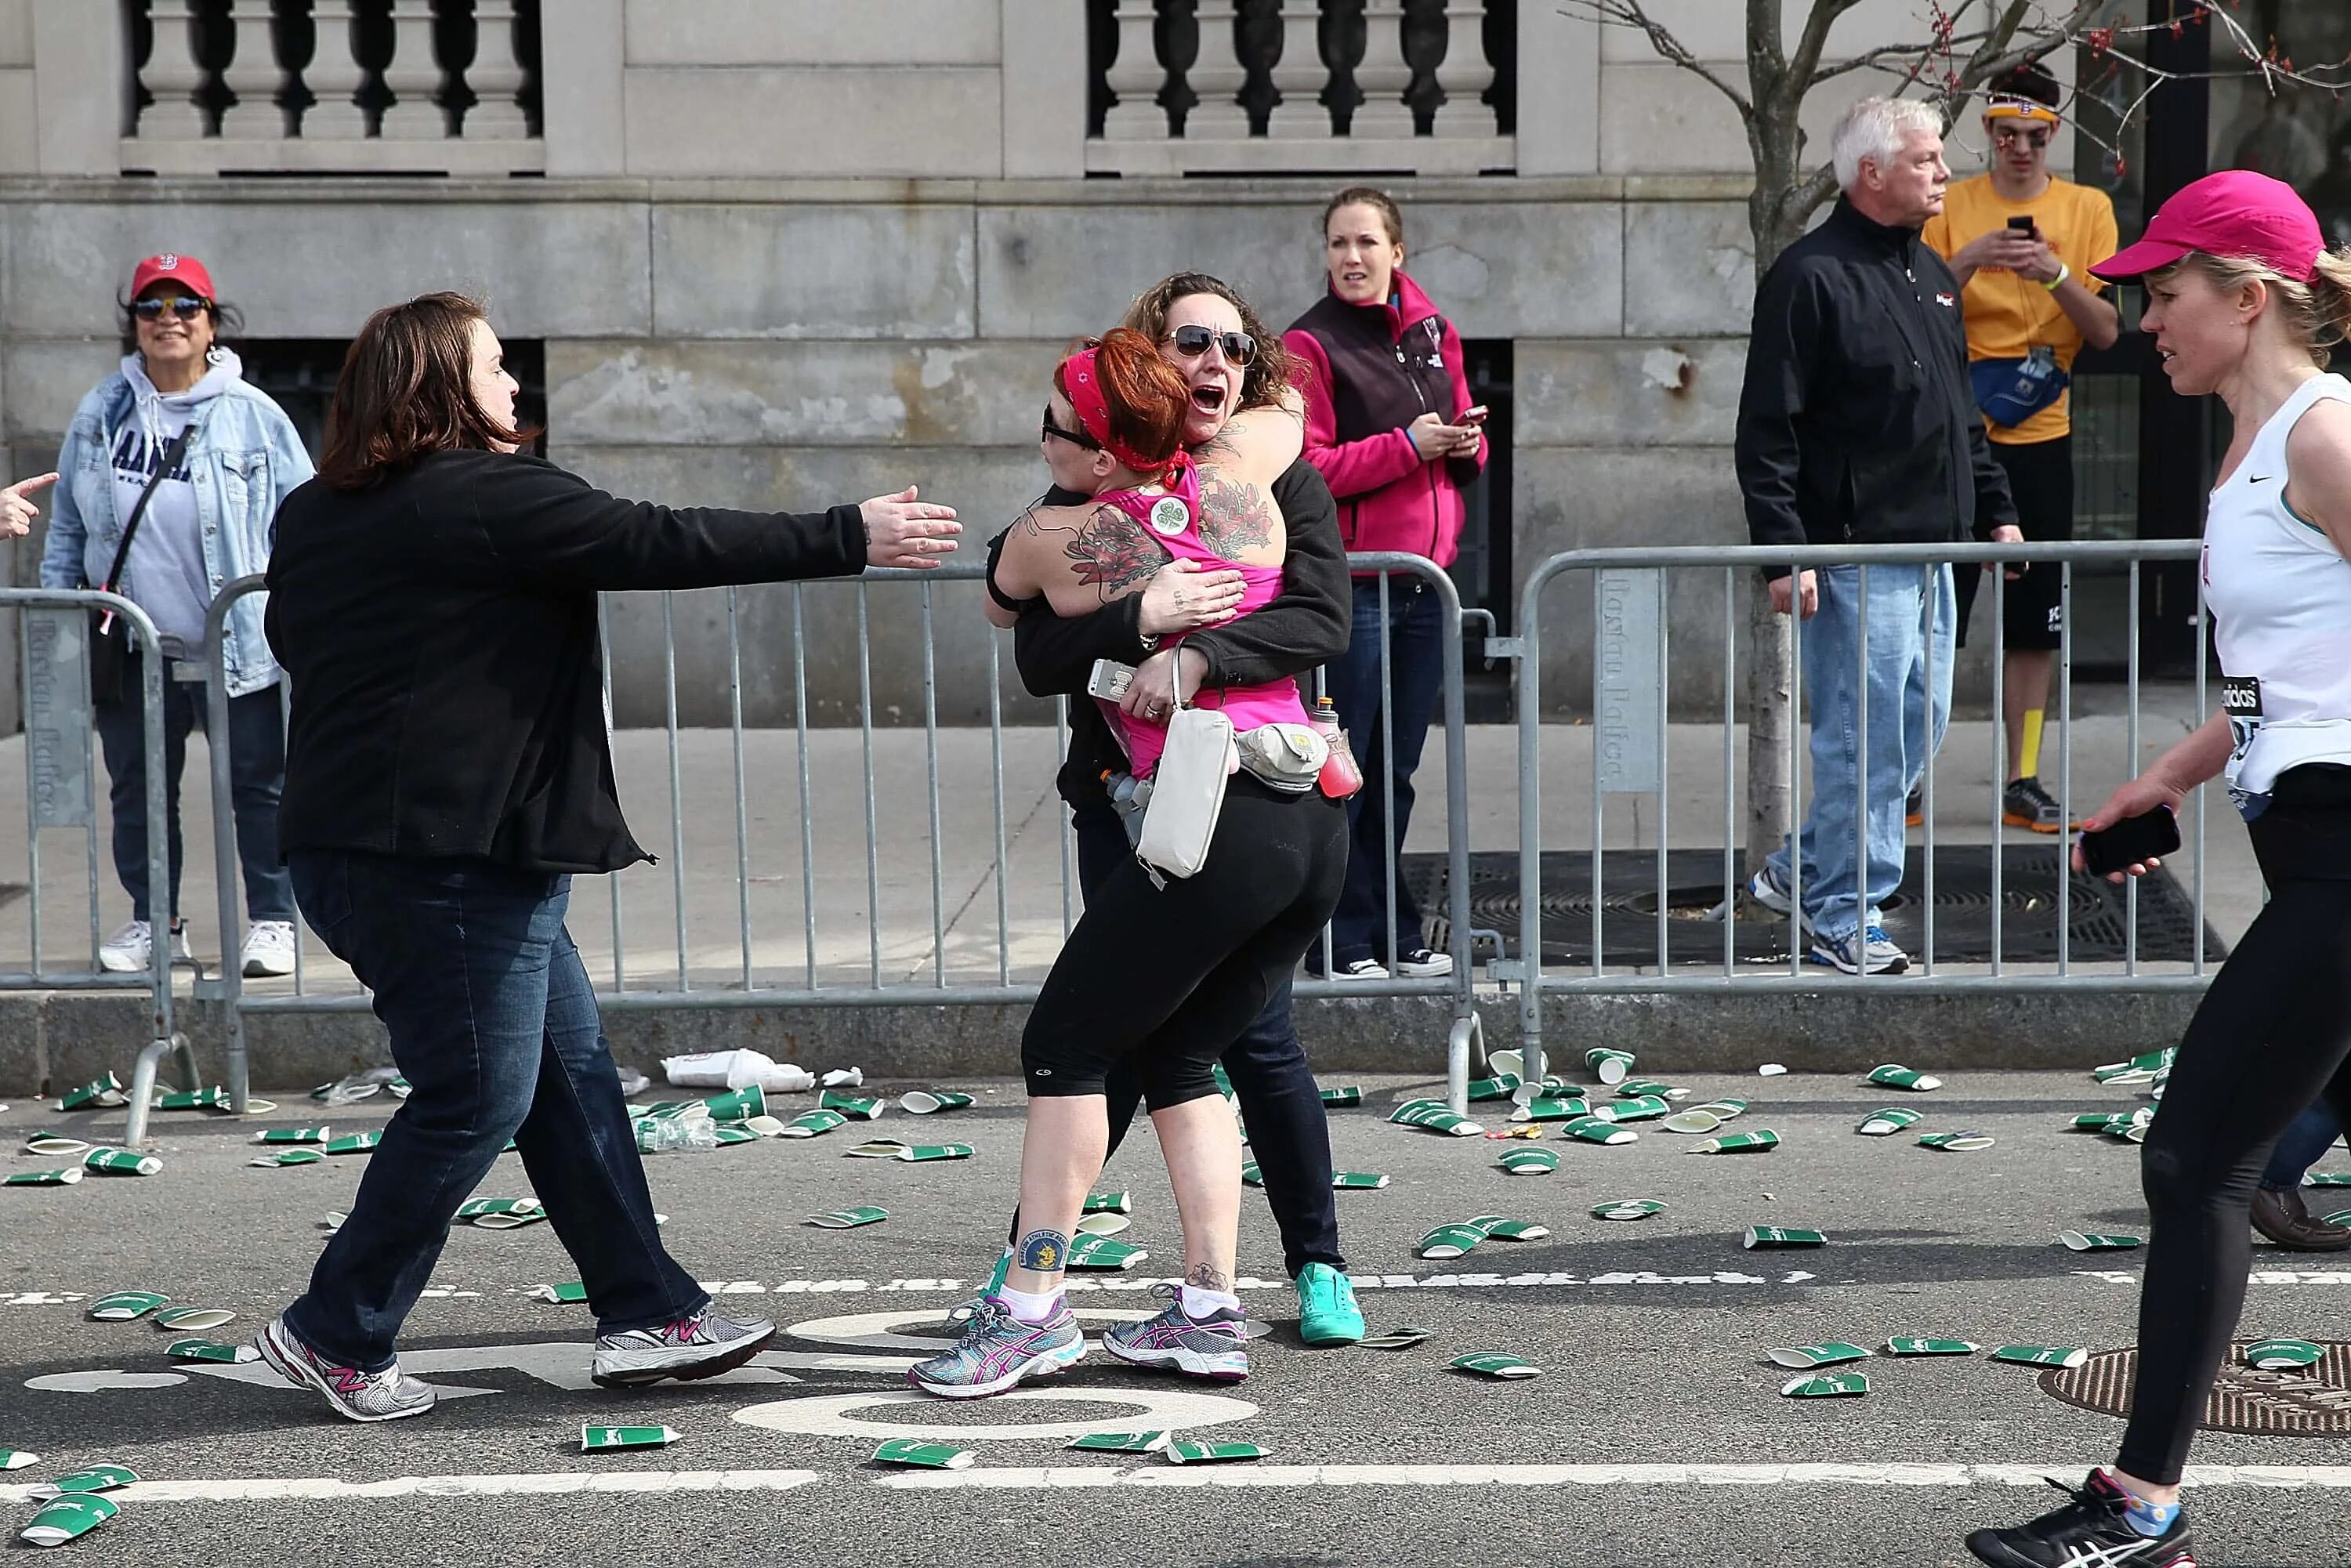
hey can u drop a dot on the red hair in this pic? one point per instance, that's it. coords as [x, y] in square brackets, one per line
[1128, 398]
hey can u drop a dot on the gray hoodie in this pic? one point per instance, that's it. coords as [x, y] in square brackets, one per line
[166, 574]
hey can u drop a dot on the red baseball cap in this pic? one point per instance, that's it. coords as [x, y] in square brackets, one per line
[2235, 213]
[171, 268]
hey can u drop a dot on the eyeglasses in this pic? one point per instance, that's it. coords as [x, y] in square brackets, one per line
[1240, 348]
[1074, 437]
[2033, 138]
[186, 306]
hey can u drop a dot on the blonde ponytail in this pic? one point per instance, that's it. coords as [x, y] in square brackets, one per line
[2330, 298]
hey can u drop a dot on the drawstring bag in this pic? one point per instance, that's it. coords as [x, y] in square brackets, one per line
[1188, 793]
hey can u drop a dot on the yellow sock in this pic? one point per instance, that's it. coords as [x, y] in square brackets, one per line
[2029, 763]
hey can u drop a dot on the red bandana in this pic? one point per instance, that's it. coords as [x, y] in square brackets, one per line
[1081, 374]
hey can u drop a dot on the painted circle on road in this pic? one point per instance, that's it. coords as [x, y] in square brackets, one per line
[828, 1415]
[871, 1331]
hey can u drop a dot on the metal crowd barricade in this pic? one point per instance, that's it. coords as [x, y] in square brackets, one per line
[619, 989]
[1631, 710]
[54, 629]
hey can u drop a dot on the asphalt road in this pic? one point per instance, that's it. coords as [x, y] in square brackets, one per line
[1652, 1337]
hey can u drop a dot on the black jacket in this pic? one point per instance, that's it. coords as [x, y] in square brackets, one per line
[1304, 627]
[440, 629]
[1857, 422]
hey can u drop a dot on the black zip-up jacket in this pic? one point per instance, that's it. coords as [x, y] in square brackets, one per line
[1857, 422]
[440, 629]
[1305, 626]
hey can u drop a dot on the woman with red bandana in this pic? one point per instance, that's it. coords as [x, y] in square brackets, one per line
[1169, 969]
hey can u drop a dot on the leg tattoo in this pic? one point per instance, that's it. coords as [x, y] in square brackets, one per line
[1207, 1277]
[1042, 1250]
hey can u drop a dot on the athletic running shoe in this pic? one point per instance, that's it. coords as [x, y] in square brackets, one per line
[1361, 970]
[1766, 888]
[133, 949]
[268, 950]
[689, 1350]
[961, 1313]
[2088, 1533]
[1215, 1347]
[1327, 1314]
[385, 1395]
[2025, 804]
[1851, 952]
[1914, 809]
[1423, 962]
[998, 1351]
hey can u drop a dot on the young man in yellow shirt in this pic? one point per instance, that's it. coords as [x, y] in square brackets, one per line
[2022, 243]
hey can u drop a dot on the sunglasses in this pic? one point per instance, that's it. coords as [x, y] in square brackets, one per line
[1240, 348]
[1074, 437]
[186, 306]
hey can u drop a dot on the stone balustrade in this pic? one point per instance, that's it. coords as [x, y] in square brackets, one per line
[335, 86]
[1233, 86]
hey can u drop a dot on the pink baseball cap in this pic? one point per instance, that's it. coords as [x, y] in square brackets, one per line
[171, 268]
[2235, 213]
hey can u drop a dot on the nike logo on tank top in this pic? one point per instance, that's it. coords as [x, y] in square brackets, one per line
[2280, 594]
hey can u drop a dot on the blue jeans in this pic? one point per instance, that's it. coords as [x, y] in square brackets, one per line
[493, 1023]
[2302, 1145]
[1906, 720]
[256, 762]
[1415, 636]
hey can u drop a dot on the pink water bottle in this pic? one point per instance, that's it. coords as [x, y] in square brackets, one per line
[1340, 778]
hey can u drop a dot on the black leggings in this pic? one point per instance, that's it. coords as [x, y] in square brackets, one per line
[2271, 1036]
[1173, 975]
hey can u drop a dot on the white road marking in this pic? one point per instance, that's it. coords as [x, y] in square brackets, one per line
[1159, 1410]
[104, 1380]
[2261, 1477]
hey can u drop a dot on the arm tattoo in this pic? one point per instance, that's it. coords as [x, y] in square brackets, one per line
[1111, 552]
[1234, 516]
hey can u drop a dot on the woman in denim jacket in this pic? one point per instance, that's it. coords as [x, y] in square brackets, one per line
[209, 523]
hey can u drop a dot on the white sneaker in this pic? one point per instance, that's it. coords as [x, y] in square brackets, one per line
[268, 950]
[133, 949]
[1361, 970]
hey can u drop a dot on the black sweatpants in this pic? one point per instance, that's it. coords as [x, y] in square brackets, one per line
[2271, 1036]
[1171, 976]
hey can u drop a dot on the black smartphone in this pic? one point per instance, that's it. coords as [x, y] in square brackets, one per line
[2021, 225]
[2129, 841]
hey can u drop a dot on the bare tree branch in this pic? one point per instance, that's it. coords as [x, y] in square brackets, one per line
[1634, 14]
[1815, 37]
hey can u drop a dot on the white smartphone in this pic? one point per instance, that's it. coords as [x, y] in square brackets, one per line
[1110, 680]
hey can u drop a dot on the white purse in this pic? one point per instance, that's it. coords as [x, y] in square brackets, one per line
[1187, 792]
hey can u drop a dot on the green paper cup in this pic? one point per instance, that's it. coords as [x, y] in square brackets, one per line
[1494, 1363]
[124, 1305]
[2282, 1354]
[1632, 1088]
[1393, 1339]
[1694, 1120]
[1641, 1108]
[1772, 1237]
[607, 1440]
[65, 1177]
[107, 1161]
[736, 1103]
[102, 1093]
[929, 1102]
[1357, 1181]
[1223, 1080]
[763, 1127]
[17, 1460]
[1803, 1356]
[501, 1213]
[194, 1099]
[1496, 1088]
[284, 1157]
[2137, 1069]
[733, 1134]
[83, 1482]
[1530, 1162]
[63, 1520]
[1110, 1203]
[1506, 1060]
[293, 1135]
[1500, 1230]
[1724, 1108]
[914, 1454]
[1436, 1116]
[848, 1219]
[1627, 1209]
[192, 1319]
[1345, 1094]
[1832, 1386]
[813, 1124]
[1893, 1075]
[1609, 1066]
[850, 1105]
[57, 1146]
[1100, 1254]
[1102, 1224]
[1213, 1453]
[570, 1292]
[1885, 1123]
[1545, 1108]
[2082, 1242]
[2327, 1178]
[1251, 1175]
[1760, 1141]
[1119, 1443]
[2042, 1355]
[211, 1350]
[1911, 1344]
[354, 1144]
[1955, 1142]
[1594, 1130]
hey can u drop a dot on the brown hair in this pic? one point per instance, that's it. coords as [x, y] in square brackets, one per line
[2317, 313]
[406, 389]
[1371, 196]
[1147, 400]
[1274, 370]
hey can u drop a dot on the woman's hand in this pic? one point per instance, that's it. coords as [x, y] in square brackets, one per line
[1164, 679]
[2141, 794]
[900, 530]
[1436, 440]
[1181, 597]
[17, 511]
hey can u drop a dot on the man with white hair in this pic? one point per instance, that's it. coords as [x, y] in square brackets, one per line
[1857, 425]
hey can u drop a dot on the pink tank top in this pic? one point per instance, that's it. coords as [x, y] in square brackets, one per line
[1172, 514]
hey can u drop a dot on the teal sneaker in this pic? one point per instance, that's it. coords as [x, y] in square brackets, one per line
[998, 1350]
[1327, 1314]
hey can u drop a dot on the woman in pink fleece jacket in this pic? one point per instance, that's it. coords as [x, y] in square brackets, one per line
[1390, 426]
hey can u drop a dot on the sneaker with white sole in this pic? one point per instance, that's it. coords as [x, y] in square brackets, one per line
[1359, 969]
[1423, 962]
[1215, 1347]
[133, 949]
[998, 1350]
[1869, 946]
[689, 1350]
[386, 1395]
[1766, 889]
[268, 950]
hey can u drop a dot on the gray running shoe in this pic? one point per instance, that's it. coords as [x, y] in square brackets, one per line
[385, 1395]
[689, 1350]
[1870, 948]
[1215, 1347]
[2025, 804]
[998, 1350]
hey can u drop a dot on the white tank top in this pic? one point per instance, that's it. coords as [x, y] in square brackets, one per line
[2280, 593]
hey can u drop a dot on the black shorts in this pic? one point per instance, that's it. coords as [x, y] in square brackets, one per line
[2041, 477]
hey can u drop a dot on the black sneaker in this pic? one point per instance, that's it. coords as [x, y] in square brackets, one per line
[2088, 1533]
[2025, 804]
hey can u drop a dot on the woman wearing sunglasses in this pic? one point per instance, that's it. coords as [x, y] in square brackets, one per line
[1390, 424]
[201, 522]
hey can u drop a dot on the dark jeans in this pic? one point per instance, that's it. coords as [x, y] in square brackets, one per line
[493, 1022]
[257, 761]
[1416, 635]
[2304, 1146]
[1289, 1135]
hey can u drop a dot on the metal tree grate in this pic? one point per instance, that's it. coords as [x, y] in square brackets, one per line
[2309, 1402]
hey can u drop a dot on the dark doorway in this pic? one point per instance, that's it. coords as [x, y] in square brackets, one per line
[1483, 570]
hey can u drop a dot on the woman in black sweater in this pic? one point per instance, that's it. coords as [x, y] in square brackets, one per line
[432, 595]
